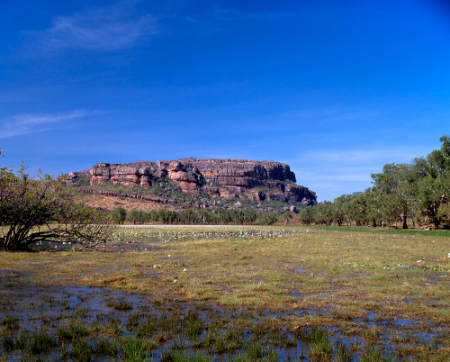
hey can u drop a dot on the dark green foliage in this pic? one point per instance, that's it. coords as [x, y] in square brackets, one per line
[136, 216]
[119, 215]
[307, 215]
[203, 217]
[267, 218]
[416, 192]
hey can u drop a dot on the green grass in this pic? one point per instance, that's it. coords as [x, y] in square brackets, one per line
[122, 305]
[10, 322]
[222, 287]
[381, 230]
[40, 342]
[134, 350]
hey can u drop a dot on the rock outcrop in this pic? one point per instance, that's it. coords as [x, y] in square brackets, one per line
[229, 179]
[134, 173]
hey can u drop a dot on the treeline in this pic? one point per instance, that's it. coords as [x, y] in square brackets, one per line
[188, 216]
[415, 193]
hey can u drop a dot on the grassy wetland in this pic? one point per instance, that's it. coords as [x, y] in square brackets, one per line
[242, 293]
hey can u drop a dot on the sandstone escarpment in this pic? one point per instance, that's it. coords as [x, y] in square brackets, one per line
[237, 173]
[229, 179]
[134, 173]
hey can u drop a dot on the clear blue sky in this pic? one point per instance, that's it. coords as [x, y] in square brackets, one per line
[334, 88]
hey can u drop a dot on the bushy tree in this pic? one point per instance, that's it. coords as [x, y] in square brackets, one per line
[286, 216]
[374, 204]
[223, 216]
[324, 213]
[307, 215]
[136, 216]
[419, 190]
[237, 216]
[250, 216]
[267, 218]
[151, 216]
[433, 182]
[38, 208]
[340, 209]
[443, 215]
[119, 215]
[398, 183]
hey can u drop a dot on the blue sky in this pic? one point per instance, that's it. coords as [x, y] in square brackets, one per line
[336, 89]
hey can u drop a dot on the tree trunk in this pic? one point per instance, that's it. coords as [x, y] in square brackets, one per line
[436, 221]
[405, 225]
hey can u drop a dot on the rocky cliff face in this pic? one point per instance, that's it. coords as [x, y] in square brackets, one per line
[257, 180]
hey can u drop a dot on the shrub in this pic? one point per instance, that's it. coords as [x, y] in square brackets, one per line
[119, 215]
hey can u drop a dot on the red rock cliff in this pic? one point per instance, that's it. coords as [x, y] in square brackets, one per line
[216, 177]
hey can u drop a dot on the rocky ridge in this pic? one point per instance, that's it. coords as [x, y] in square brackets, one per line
[216, 178]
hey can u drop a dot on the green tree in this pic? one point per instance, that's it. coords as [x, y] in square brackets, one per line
[431, 194]
[267, 218]
[151, 216]
[443, 215]
[286, 216]
[324, 213]
[307, 215]
[136, 216]
[340, 209]
[250, 216]
[223, 216]
[204, 216]
[433, 181]
[374, 202]
[37, 208]
[237, 217]
[359, 208]
[119, 215]
[398, 182]
[188, 216]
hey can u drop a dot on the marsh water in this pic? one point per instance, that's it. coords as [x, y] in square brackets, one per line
[137, 327]
[219, 294]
